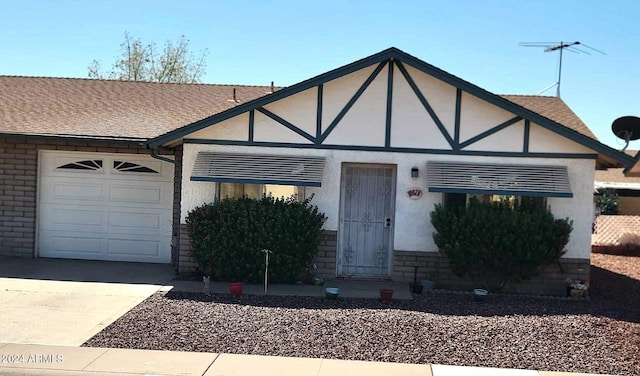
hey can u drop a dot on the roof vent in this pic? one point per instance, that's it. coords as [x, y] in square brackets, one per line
[235, 97]
[273, 89]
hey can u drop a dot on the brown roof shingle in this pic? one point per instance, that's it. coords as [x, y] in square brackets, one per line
[552, 108]
[104, 108]
[614, 175]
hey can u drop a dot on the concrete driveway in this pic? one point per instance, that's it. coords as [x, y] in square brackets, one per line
[66, 302]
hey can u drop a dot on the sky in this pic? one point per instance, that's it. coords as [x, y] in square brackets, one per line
[256, 42]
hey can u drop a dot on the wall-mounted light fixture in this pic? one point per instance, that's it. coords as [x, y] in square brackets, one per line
[414, 172]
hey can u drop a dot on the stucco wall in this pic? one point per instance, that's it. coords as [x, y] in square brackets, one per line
[411, 126]
[413, 230]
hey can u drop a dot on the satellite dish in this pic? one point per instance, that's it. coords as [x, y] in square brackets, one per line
[626, 128]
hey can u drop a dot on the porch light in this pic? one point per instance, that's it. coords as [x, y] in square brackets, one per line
[415, 172]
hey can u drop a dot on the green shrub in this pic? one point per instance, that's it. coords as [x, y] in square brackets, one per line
[495, 243]
[608, 202]
[227, 238]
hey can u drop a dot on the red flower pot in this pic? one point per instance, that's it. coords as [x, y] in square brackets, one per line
[235, 288]
[386, 294]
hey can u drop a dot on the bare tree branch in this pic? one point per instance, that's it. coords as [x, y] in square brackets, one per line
[139, 62]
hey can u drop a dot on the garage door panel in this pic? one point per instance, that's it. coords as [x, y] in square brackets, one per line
[72, 244]
[63, 190]
[150, 195]
[139, 247]
[73, 219]
[77, 217]
[136, 221]
[119, 211]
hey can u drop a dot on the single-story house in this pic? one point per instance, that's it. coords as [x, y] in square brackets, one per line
[626, 187]
[109, 170]
[617, 233]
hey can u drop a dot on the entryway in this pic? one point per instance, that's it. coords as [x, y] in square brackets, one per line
[365, 245]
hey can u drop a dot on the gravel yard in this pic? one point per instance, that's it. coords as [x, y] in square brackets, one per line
[598, 336]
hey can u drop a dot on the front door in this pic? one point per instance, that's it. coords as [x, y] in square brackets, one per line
[366, 220]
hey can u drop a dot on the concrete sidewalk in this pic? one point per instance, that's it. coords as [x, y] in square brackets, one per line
[20, 359]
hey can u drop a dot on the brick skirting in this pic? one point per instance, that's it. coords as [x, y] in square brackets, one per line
[325, 260]
[186, 261]
[436, 265]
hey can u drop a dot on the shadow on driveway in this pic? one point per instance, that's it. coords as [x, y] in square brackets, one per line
[85, 270]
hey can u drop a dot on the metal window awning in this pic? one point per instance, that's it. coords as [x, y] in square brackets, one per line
[501, 179]
[258, 169]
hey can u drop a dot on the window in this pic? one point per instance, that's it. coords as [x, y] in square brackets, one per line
[92, 164]
[131, 167]
[237, 190]
[255, 191]
[461, 199]
[455, 200]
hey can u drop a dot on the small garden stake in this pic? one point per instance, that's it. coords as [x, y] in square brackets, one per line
[266, 268]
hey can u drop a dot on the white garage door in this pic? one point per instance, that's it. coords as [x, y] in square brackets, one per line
[95, 206]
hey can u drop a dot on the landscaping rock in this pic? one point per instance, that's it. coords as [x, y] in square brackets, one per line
[597, 336]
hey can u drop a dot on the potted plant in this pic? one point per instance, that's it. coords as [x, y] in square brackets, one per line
[386, 294]
[332, 292]
[577, 288]
[480, 295]
[416, 288]
[235, 288]
[317, 281]
[428, 283]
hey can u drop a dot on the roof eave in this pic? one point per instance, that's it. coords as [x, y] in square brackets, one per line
[523, 112]
[75, 136]
[633, 170]
[605, 151]
[269, 98]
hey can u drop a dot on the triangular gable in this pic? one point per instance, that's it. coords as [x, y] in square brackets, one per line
[395, 65]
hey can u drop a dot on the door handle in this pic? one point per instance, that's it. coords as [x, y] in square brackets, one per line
[387, 222]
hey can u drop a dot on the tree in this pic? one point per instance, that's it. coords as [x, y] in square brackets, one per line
[139, 62]
[608, 202]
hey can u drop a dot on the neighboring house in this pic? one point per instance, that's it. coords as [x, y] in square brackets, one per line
[378, 143]
[617, 233]
[626, 187]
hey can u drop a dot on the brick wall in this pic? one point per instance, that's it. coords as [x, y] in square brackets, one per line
[326, 258]
[187, 263]
[436, 264]
[18, 184]
[177, 198]
[432, 264]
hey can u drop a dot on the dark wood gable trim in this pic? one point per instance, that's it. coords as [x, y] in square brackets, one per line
[393, 55]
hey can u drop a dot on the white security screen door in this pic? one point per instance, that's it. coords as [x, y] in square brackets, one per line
[366, 220]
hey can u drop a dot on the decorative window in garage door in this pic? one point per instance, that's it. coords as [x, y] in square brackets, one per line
[90, 164]
[122, 166]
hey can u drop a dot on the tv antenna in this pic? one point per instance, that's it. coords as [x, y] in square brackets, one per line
[561, 46]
